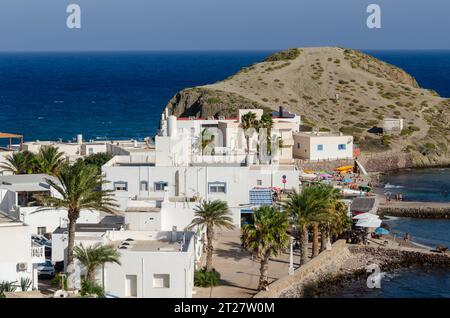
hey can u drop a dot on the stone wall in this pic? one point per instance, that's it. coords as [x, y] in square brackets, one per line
[346, 261]
[416, 212]
[292, 286]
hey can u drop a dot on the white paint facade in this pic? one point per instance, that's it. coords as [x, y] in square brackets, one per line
[18, 258]
[154, 265]
[322, 146]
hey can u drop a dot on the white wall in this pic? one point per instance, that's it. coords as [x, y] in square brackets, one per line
[15, 247]
[330, 144]
[179, 265]
[53, 218]
[193, 181]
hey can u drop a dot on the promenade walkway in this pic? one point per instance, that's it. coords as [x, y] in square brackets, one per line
[239, 272]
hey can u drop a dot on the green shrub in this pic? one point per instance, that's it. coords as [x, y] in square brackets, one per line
[290, 54]
[213, 100]
[91, 289]
[204, 278]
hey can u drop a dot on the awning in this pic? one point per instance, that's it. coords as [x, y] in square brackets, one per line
[370, 222]
[363, 216]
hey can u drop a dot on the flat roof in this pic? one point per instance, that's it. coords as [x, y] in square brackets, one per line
[8, 135]
[6, 219]
[161, 245]
[26, 182]
[87, 227]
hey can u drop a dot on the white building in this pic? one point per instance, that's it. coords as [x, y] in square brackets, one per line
[18, 257]
[18, 195]
[153, 264]
[322, 146]
[392, 125]
[72, 150]
[85, 234]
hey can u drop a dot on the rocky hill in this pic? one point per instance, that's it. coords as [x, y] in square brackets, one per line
[334, 89]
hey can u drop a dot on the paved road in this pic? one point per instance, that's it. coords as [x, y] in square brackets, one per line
[239, 272]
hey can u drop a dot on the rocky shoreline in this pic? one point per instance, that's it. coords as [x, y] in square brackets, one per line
[388, 260]
[345, 263]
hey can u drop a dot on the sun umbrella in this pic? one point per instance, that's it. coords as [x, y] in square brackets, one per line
[381, 231]
[347, 180]
[365, 216]
[325, 175]
[370, 222]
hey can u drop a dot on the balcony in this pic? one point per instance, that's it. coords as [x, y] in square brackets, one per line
[37, 254]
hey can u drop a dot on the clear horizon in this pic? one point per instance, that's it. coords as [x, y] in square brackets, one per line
[221, 25]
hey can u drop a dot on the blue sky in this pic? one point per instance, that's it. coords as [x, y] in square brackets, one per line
[40, 25]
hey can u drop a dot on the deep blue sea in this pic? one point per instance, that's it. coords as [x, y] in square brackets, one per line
[121, 95]
[424, 185]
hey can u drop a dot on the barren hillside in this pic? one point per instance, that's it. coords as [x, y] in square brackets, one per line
[334, 89]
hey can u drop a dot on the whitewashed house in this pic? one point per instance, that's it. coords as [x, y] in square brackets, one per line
[153, 264]
[18, 256]
[18, 195]
[392, 125]
[317, 146]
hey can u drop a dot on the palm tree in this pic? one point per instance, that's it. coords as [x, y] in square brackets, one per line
[49, 160]
[20, 163]
[79, 187]
[248, 122]
[94, 256]
[210, 215]
[324, 193]
[266, 237]
[307, 208]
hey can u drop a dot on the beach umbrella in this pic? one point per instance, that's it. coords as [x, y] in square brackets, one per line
[347, 180]
[381, 231]
[370, 222]
[363, 216]
[325, 175]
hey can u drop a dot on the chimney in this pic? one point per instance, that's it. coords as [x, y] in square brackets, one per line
[174, 234]
[79, 139]
[281, 111]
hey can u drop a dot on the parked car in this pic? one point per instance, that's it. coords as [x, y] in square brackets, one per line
[46, 269]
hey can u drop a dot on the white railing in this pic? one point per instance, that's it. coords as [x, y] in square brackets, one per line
[38, 254]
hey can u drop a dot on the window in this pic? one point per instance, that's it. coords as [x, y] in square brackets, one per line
[41, 230]
[121, 186]
[341, 147]
[161, 281]
[91, 151]
[298, 145]
[319, 147]
[159, 186]
[217, 187]
[259, 182]
[130, 286]
[144, 186]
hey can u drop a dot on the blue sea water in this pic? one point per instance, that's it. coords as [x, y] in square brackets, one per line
[102, 95]
[415, 282]
[424, 185]
[121, 95]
